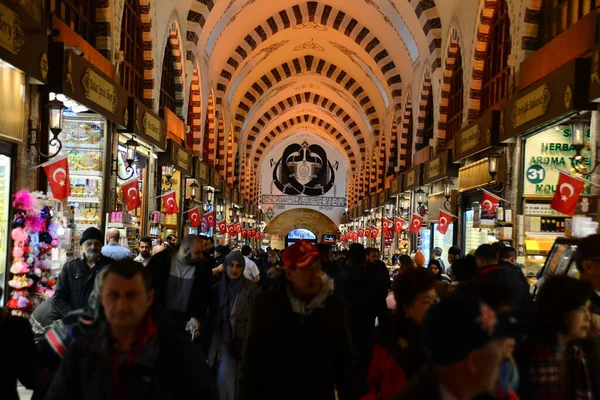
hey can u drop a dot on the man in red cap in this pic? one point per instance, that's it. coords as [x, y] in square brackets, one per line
[298, 345]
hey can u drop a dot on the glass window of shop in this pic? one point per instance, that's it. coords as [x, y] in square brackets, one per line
[169, 223]
[474, 236]
[84, 145]
[496, 70]
[132, 67]
[443, 241]
[80, 15]
[5, 183]
[559, 15]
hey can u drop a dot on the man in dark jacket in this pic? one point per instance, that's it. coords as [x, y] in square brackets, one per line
[182, 281]
[467, 368]
[77, 277]
[132, 352]
[298, 343]
[588, 265]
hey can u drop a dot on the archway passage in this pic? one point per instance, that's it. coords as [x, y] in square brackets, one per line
[301, 218]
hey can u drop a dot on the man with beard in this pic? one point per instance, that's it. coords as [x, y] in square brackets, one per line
[145, 248]
[77, 277]
[182, 281]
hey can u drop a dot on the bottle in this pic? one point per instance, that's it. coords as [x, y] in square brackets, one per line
[500, 213]
[553, 225]
[561, 226]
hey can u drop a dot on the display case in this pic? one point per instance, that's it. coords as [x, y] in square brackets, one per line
[474, 237]
[443, 241]
[425, 243]
[560, 260]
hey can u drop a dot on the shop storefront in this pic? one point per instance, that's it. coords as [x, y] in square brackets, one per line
[95, 105]
[138, 146]
[23, 60]
[440, 175]
[413, 181]
[195, 194]
[545, 115]
[177, 166]
[479, 140]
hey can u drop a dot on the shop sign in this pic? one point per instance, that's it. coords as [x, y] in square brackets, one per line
[12, 37]
[216, 179]
[411, 177]
[531, 106]
[227, 192]
[395, 185]
[152, 126]
[434, 168]
[203, 172]
[365, 203]
[373, 201]
[546, 153]
[469, 139]
[183, 159]
[382, 198]
[99, 90]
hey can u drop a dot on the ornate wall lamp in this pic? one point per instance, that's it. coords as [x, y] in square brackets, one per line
[55, 123]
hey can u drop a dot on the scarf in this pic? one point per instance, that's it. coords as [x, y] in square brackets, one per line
[229, 288]
[318, 301]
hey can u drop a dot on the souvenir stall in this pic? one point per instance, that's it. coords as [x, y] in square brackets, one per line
[555, 137]
[481, 221]
[419, 236]
[396, 198]
[194, 199]
[222, 209]
[95, 105]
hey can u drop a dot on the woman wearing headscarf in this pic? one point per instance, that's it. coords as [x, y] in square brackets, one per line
[230, 311]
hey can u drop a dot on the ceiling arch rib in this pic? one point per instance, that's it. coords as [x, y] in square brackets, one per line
[427, 13]
[340, 81]
[325, 15]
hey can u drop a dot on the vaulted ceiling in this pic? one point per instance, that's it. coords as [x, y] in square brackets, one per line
[336, 67]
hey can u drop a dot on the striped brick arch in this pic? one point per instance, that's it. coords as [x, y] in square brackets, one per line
[427, 13]
[220, 158]
[196, 18]
[208, 140]
[104, 31]
[195, 112]
[392, 159]
[405, 160]
[423, 106]
[451, 56]
[303, 65]
[533, 15]
[325, 15]
[175, 39]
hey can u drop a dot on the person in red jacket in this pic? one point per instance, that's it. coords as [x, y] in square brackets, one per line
[398, 353]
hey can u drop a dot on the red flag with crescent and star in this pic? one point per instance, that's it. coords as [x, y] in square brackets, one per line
[368, 233]
[568, 192]
[489, 202]
[170, 202]
[131, 195]
[385, 224]
[415, 223]
[222, 227]
[355, 236]
[361, 232]
[195, 218]
[398, 224]
[210, 219]
[231, 230]
[238, 228]
[444, 221]
[374, 232]
[58, 178]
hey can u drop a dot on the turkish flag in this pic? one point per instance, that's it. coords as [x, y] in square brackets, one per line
[368, 233]
[355, 236]
[568, 192]
[415, 223]
[398, 224]
[231, 230]
[385, 224]
[195, 218]
[361, 232]
[222, 226]
[210, 220]
[374, 233]
[388, 234]
[489, 202]
[58, 178]
[253, 233]
[131, 195]
[444, 221]
[170, 202]
[238, 228]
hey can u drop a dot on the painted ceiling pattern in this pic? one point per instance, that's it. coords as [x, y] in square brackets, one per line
[336, 67]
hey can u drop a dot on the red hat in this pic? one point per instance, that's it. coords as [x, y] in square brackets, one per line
[300, 255]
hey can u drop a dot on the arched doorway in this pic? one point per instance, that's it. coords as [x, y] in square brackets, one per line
[317, 223]
[299, 234]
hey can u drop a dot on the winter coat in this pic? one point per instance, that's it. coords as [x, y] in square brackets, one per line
[167, 366]
[75, 284]
[160, 265]
[293, 356]
[424, 386]
[18, 355]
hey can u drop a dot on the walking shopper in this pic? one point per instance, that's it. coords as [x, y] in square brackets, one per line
[558, 361]
[454, 254]
[436, 254]
[113, 249]
[460, 337]
[251, 271]
[398, 353]
[406, 262]
[328, 261]
[437, 270]
[298, 344]
[183, 282]
[420, 259]
[145, 251]
[464, 269]
[131, 352]
[271, 271]
[588, 265]
[77, 277]
[233, 299]
[18, 353]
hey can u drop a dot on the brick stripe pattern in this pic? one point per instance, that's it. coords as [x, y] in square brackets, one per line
[483, 31]
[209, 135]
[530, 41]
[220, 145]
[230, 159]
[148, 32]
[104, 39]
[423, 104]
[195, 104]
[323, 14]
[453, 49]
[175, 40]
[427, 13]
[307, 64]
[197, 16]
[392, 159]
[405, 160]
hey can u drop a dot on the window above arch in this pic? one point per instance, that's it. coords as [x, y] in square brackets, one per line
[79, 15]
[132, 67]
[168, 91]
[559, 15]
[455, 99]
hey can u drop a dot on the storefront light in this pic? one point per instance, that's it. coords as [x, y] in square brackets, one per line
[493, 159]
[448, 186]
[194, 189]
[168, 171]
[578, 133]
[55, 124]
[420, 197]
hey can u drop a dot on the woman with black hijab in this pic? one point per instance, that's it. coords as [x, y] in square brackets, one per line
[233, 299]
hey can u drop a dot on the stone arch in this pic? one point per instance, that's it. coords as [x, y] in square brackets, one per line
[313, 220]
[208, 140]
[104, 35]
[313, 12]
[423, 106]
[195, 111]
[196, 19]
[453, 50]
[405, 160]
[532, 16]
[173, 35]
[427, 13]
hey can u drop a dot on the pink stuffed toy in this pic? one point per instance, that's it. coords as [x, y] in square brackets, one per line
[19, 235]
[17, 252]
[24, 200]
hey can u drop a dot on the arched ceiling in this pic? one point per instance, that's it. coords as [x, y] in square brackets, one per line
[335, 67]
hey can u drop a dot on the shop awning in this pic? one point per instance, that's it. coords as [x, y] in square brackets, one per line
[27, 50]
[478, 136]
[145, 123]
[559, 94]
[440, 167]
[413, 178]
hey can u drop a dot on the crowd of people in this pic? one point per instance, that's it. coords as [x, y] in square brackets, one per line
[197, 321]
